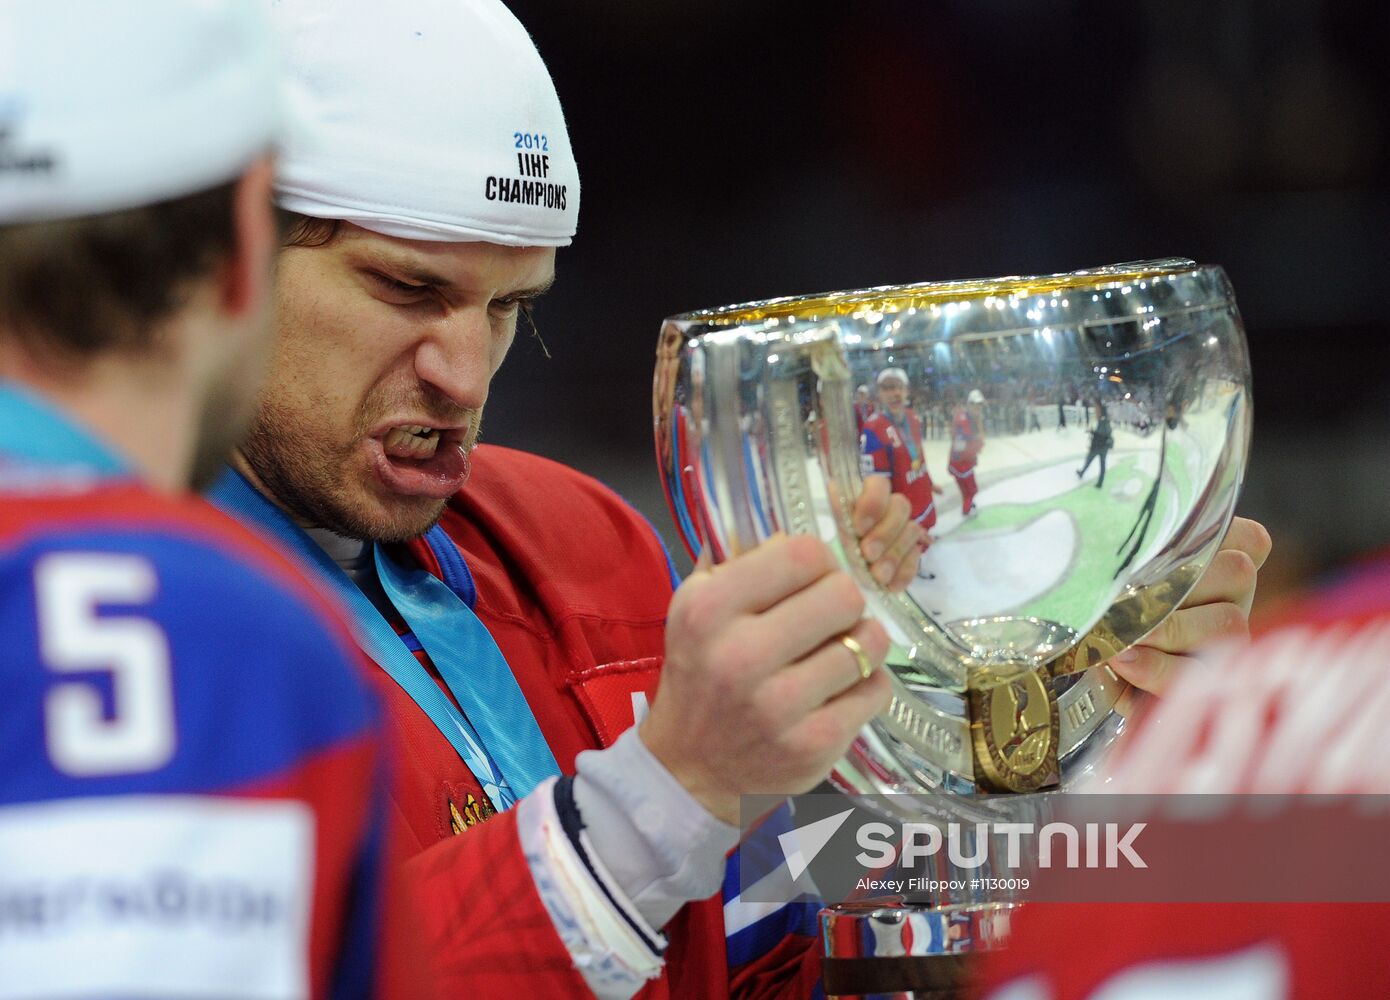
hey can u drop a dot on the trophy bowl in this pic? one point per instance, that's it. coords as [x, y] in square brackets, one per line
[1072, 446]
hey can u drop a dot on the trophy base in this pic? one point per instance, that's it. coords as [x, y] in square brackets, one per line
[888, 949]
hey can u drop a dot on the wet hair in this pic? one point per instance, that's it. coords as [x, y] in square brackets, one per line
[304, 230]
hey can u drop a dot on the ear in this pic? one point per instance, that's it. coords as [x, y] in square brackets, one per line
[246, 274]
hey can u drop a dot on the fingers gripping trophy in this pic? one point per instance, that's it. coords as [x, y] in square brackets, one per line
[1040, 567]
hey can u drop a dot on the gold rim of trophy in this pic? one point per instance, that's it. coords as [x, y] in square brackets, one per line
[890, 299]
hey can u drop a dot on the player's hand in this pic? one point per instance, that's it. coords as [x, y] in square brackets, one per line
[758, 694]
[888, 539]
[1218, 609]
[937, 489]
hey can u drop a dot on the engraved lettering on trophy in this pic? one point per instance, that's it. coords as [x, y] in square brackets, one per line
[786, 428]
[1103, 695]
[1081, 709]
[924, 733]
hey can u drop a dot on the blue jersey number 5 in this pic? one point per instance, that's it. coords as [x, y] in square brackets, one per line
[73, 638]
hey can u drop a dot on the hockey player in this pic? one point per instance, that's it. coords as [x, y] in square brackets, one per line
[967, 441]
[1102, 440]
[186, 767]
[1299, 712]
[526, 620]
[891, 442]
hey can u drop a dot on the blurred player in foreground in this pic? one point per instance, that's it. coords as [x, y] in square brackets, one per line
[188, 750]
[1298, 712]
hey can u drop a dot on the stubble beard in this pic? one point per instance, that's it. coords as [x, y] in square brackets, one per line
[313, 480]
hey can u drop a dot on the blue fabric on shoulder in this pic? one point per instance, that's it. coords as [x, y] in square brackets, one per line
[374, 633]
[34, 430]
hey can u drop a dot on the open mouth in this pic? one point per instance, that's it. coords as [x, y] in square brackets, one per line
[411, 441]
[420, 460]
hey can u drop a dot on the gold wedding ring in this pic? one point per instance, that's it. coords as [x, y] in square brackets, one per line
[866, 667]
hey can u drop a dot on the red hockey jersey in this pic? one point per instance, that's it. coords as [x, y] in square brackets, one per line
[967, 439]
[177, 815]
[888, 449]
[573, 585]
[1299, 711]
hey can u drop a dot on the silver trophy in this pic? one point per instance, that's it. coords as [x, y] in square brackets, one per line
[1073, 446]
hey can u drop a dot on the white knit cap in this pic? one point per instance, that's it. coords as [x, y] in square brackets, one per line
[891, 373]
[112, 104]
[426, 120]
[975, 396]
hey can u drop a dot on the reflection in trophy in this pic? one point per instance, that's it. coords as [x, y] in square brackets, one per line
[1071, 447]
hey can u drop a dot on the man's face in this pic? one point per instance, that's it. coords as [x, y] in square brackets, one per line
[892, 395]
[386, 348]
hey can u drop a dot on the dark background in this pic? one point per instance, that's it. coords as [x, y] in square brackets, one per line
[740, 149]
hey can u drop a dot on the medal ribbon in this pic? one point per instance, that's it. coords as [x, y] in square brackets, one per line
[904, 427]
[446, 630]
[467, 657]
